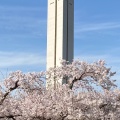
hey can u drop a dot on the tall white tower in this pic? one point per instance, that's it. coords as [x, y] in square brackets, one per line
[60, 32]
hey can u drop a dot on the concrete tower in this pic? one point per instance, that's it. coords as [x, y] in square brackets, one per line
[60, 32]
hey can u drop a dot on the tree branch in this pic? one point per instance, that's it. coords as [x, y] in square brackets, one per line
[7, 93]
[76, 79]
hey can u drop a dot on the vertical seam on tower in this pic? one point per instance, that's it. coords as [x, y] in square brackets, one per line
[67, 31]
[67, 34]
[55, 40]
[55, 32]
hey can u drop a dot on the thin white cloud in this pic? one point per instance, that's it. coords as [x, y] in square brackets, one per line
[109, 58]
[23, 26]
[91, 58]
[98, 26]
[21, 8]
[22, 21]
[12, 59]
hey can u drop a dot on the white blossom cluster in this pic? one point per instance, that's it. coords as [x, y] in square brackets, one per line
[25, 97]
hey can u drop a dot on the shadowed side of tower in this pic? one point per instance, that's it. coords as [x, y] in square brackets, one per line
[60, 33]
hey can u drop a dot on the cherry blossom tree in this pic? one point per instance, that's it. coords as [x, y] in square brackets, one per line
[25, 97]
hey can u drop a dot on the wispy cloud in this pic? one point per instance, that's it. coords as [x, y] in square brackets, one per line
[15, 24]
[91, 58]
[21, 8]
[97, 26]
[12, 59]
[19, 20]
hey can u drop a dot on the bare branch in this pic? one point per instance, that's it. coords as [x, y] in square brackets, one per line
[8, 92]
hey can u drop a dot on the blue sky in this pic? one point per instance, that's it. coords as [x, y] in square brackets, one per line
[23, 26]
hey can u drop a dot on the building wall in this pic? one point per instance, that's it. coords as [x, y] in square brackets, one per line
[60, 32]
[65, 30]
[51, 34]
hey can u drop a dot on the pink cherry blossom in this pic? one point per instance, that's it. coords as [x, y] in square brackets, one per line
[23, 96]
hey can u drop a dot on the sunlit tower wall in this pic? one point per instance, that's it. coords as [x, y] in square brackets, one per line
[60, 33]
